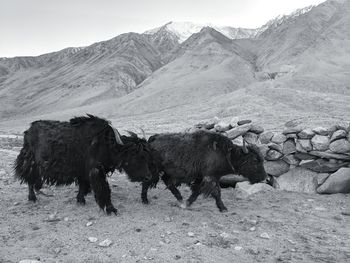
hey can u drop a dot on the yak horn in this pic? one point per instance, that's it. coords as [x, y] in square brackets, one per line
[132, 134]
[117, 136]
[143, 133]
[245, 149]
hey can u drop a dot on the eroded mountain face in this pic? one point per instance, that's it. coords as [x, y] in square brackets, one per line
[187, 66]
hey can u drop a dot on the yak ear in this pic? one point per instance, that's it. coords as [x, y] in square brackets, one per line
[244, 148]
[132, 134]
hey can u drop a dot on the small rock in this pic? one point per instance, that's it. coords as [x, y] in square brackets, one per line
[238, 248]
[298, 180]
[345, 212]
[190, 234]
[92, 239]
[222, 126]
[256, 129]
[306, 134]
[177, 257]
[246, 189]
[242, 122]
[322, 166]
[238, 131]
[289, 147]
[16, 203]
[321, 131]
[273, 155]
[35, 227]
[304, 156]
[253, 228]
[169, 233]
[233, 122]
[138, 230]
[339, 134]
[278, 138]
[105, 243]
[303, 145]
[320, 143]
[66, 219]
[89, 223]
[292, 130]
[266, 137]
[57, 250]
[251, 138]
[225, 235]
[340, 146]
[168, 219]
[265, 235]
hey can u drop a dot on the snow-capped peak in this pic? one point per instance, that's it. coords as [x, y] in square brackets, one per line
[183, 30]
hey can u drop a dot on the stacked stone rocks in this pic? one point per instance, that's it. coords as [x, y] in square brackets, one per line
[301, 159]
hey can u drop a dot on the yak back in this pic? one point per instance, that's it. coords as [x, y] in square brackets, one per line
[188, 156]
[60, 149]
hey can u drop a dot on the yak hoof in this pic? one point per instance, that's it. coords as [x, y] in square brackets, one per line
[145, 201]
[223, 210]
[111, 209]
[81, 201]
[32, 198]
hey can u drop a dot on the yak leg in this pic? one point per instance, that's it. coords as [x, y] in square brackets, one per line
[101, 190]
[196, 190]
[216, 194]
[172, 187]
[84, 187]
[31, 195]
[144, 198]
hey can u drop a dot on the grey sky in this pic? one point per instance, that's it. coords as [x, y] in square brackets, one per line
[33, 27]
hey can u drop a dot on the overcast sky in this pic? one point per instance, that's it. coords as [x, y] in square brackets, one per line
[33, 27]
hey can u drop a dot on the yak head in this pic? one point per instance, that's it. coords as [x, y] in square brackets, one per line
[138, 159]
[249, 162]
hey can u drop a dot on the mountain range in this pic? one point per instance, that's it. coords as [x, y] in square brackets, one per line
[294, 66]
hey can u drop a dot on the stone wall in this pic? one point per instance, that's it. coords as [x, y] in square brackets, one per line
[299, 158]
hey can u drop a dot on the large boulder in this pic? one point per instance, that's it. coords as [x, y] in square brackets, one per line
[222, 126]
[322, 166]
[338, 182]
[263, 149]
[276, 168]
[340, 146]
[298, 180]
[275, 146]
[304, 156]
[291, 130]
[330, 155]
[320, 143]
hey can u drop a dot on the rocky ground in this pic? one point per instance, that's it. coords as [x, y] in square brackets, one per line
[272, 226]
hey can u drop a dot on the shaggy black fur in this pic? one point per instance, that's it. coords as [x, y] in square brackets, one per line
[83, 150]
[199, 159]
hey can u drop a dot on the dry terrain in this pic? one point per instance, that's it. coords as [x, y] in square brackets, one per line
[273, 226]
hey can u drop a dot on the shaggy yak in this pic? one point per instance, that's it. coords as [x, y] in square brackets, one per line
[199, 159]
[83, 150]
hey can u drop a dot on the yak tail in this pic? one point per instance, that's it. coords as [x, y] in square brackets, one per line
[25, 167]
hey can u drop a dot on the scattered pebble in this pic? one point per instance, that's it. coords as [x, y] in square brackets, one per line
[252, 228]
[89, 223]
[310, 200]
[238, 248]
[35, 227]
[53, 218]
[177, 257]
[57, 250]
[105, 243]
[66, 219]
[346, 212]
[168, 219]
[265, 235]
[225, 235]
[320, 208]
[169, 233]
[92, 239]
[190, 234]
[138, 229]
[29, 261]
[16, 203]
[291, 241]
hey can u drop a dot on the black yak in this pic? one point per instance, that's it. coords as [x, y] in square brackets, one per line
[83, 150]
[199, 159]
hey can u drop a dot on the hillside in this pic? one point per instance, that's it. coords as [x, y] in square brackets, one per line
[295, 66]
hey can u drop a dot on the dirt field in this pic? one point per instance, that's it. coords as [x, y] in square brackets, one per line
[265, 227]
